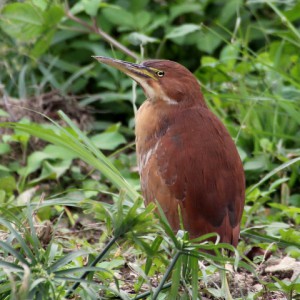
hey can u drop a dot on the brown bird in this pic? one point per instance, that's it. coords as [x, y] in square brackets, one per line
[186, 157]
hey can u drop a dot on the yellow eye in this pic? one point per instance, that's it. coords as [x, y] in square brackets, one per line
[160, 73]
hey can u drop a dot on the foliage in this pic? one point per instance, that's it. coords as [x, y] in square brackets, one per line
[246, 57]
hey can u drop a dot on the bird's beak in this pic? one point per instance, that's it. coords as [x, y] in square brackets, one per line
[137, 72]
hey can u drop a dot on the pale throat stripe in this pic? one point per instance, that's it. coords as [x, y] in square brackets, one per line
[169, 100]
[152, 94]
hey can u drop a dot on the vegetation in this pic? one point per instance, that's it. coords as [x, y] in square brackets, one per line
[69, 188]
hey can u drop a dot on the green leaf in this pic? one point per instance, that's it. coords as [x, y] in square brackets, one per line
[42, 4]
[52, 16]
[208, 41]
[4, 148]
[8, 184]
[256, 163]
[273, 172]
[182, 30]
[176, 272]
[27, 22]
[62, 262]
[4, 169]
[229, 55]
[3, 113]
[179, 10]
[53, 170]
[141, 39]
[229, 10]
[91, 6]
[22, 21]
[119, 16]
[42, 45]
[108, 140]
[141, 19]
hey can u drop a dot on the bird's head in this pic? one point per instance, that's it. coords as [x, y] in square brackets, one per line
[161, 80]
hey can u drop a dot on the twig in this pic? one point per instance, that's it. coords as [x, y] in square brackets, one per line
[97, 30]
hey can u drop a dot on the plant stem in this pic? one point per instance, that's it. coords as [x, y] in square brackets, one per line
[166, 275]
[97, 30]
[93, 264]
[146, 294]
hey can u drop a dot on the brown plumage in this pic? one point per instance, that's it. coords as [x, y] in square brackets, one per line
[186, 156]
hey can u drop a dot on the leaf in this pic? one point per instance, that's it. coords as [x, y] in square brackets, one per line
[52, 16]
[141, 39]
[8, 184]
[229, 10]
[179, 10]
[182, 30]
[273, 172]
[256, 163]
[229, 55]
[119, 16]
[42, 45]
[3, 113]
[141, 19]
[91, 6]
[108, 140]
[208, 41]
[4, 169]
[22, 21]
[53, 170]
[42, 4]
[4, 148]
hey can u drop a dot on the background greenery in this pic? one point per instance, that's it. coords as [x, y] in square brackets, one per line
[63, 191]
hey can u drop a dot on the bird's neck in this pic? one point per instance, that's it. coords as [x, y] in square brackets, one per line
[153, 119]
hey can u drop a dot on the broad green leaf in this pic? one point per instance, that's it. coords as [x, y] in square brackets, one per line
[4, 148]
[229, 10]
[119, 16]
[57, 152]
[3, 113]
[34, 161]
[141, 19]
[293, 14]
[256, 163]
[229, 55]
[180, 9]
[141, 39]
[52, 16]
[53, 170]
[8, 184]
[91, 6]
[108, 140]
[208, 41]
[42, 45]
[182, 30]
[4, 169]
[273, 172]
[27, 22]
[42, 4]
[137, 5]
[22, 21]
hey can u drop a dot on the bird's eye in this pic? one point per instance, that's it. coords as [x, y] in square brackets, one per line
[160, 73]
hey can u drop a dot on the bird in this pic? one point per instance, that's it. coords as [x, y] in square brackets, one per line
[186, 158]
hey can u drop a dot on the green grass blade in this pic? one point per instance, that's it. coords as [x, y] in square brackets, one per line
[65, 260]
[80, 147]
[273, 172]
[21, 240]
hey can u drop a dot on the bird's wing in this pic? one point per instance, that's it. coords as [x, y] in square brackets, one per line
[198, 167]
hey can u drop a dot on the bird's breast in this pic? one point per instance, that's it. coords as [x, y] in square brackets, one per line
[151, 125]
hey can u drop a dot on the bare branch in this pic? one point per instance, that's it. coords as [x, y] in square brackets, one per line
[97, 30]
